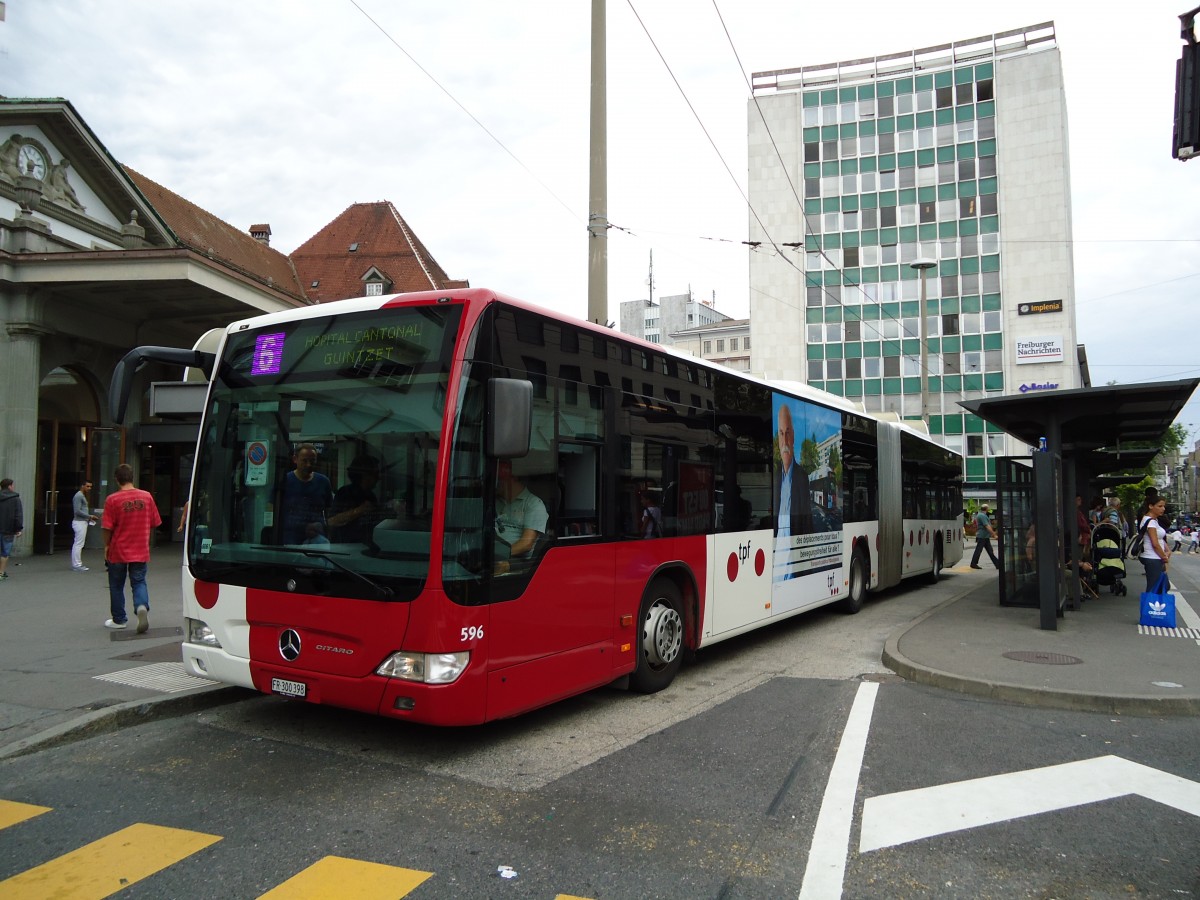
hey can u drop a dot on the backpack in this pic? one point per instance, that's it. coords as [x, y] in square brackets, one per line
[1138, 541]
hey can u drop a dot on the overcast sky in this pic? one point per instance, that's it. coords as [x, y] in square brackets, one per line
[288, 112]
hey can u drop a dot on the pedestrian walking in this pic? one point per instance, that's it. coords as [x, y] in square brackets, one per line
[130, 517]
[12, 522]
[81, 518]
[984, 532]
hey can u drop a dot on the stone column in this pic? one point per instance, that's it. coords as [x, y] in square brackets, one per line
[20, 363]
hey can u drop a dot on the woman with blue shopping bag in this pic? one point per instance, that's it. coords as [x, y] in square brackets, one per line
[1157, 606]
[1154, 553]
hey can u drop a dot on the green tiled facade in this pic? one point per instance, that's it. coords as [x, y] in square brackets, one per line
[895, 170]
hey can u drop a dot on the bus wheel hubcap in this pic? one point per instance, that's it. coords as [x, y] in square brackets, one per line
[662, 636]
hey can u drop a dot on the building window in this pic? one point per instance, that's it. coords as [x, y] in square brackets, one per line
[374, 288]
[733, 342]
[720, 346]
[707, 347]
[974, 445]
[746, 343]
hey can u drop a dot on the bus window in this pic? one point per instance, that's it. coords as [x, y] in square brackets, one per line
[579, 476]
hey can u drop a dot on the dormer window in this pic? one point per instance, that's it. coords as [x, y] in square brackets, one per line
[375, 283]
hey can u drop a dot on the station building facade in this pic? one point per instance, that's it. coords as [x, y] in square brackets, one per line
[95, 259]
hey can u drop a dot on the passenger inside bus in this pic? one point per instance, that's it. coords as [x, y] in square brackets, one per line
[356, 510]
[304, 496]
[521, 519]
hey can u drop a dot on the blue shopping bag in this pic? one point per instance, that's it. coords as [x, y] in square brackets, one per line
[1157, 606]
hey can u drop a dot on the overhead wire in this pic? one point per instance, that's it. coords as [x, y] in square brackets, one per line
[461, 106]
[771, 244]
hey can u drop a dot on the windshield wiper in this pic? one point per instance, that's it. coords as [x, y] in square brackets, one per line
[384, 591]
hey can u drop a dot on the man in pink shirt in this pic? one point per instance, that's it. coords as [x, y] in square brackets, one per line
[130, 516]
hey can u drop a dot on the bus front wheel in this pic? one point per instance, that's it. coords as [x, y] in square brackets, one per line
[660, 638]
[858, 582]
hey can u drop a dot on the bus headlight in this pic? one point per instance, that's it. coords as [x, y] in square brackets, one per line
[199, 633]
[428, 668]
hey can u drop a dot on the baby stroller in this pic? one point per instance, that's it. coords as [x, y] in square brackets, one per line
[1108, 557]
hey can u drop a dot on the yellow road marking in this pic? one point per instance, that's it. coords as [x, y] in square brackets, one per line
[108, 865]
[13, 813]
[338, 878]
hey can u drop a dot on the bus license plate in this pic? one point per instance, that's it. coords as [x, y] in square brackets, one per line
[288, 688]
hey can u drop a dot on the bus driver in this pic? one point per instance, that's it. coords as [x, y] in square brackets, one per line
[521, 518]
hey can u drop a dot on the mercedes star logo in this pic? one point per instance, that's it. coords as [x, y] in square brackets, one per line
[289, 645]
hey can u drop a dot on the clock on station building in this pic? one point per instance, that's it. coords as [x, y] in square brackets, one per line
[32, 161]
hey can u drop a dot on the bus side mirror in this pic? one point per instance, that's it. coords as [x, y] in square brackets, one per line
[133, 361]
[509, 417]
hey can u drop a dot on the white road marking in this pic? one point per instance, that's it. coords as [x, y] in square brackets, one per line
[826, 868]
[165, 677]
[927, 812]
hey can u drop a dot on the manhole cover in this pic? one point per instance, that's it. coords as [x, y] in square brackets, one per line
[1046, 659]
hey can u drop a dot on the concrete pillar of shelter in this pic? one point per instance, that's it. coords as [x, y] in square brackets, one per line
[20, 363]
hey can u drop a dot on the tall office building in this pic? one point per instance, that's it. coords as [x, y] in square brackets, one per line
[953, 157]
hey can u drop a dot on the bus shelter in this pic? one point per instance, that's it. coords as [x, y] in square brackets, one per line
[1088, 433]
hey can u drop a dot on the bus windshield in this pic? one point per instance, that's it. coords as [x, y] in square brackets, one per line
[318, 454]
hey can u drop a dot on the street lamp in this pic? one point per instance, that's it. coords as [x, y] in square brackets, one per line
[923, 264]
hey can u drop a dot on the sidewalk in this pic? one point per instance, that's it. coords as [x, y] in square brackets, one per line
[63, 674]
[55, 651]
[1098, 659]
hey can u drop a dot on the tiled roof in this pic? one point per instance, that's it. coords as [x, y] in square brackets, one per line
[383, 240]
[204, 233]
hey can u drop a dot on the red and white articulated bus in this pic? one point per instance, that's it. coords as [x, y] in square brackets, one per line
[343, 543]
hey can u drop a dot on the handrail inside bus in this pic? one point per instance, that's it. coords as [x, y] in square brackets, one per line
[133, 361]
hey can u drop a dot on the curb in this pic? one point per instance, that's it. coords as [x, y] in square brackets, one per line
[124, 715]
[1023, 695]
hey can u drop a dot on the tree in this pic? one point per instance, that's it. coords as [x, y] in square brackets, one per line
[810, 458]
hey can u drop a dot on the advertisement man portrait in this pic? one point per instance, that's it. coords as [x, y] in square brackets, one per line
[793, 514]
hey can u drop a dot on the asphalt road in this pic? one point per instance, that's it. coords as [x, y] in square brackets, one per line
[725, 786]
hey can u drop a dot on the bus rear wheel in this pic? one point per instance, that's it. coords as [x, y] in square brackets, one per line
[858, 582]
[935, 574]
[660, 638]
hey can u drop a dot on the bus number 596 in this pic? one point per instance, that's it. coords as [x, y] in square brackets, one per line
[473, 633]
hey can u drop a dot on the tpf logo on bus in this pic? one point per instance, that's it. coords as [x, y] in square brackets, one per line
[742, 555]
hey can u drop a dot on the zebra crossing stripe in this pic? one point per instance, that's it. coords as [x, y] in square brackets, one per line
[1155, 631]
[327, 878]
[12, 813]
[111, 864]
